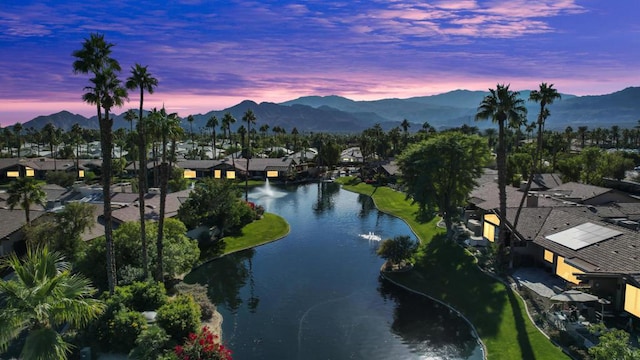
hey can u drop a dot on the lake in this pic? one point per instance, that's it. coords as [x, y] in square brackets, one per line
[317, 293]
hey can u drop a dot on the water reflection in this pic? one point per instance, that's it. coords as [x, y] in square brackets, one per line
[316, 294]
[226, 278]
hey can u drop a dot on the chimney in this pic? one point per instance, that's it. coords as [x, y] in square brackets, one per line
[532, 201]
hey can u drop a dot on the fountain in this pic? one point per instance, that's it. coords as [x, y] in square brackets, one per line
[268, 191]
[371, 236]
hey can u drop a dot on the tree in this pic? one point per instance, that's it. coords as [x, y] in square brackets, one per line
[613, 344]
[25, 192]
[397, 250]
[141, 78]
[504, 107]
[17, 129]
[582, 133]
[104, 91]
[218, 203]
[64, 233]
[546, 95]
[441, 171]
[212, 124]
[44, 296]
[250, 118]
[226, 122]
[52, 134]
[168, 126]
[190, 120]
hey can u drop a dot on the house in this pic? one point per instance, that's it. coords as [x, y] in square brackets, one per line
[586, 235]
[198, 169]
[351, 155]
[275, 168]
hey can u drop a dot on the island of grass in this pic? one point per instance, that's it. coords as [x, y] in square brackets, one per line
[447, 272]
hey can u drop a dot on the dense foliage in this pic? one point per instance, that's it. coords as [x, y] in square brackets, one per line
[179, 317]
[216, 203]
[203, 345]
[398, 249]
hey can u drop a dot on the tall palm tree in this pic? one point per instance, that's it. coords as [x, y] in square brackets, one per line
[140, 78]
[17, 129]
[52, 136]
[42, 298]
[76, 138]
[502, 106]
[227, 121]
[582, 133]
[168, 127]
[213, 123]
[190, 120]
[545, 95]
[104, 91]
[25, 192]
[250, 118]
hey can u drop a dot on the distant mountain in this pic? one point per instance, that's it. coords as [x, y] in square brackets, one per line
[451, 109]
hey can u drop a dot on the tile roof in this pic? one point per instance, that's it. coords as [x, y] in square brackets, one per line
[579, 191]
[13, 220]
[620, 254]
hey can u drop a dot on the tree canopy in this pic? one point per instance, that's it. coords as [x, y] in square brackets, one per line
[440, 172]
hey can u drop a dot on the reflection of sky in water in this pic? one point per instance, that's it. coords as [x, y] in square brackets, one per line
[316, 294]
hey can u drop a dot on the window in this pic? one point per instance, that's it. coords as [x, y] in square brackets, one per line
[489, 231]
[272, 174]
[217, 174]
[231, 174]
[632, 300]
[189, 174]
[13, 174]
[30, 172]
[548, 256]
[567, 271]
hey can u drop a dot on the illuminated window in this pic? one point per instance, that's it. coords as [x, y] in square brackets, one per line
[189, 174]
[30, 172]
[489, 231]
[492, 218]
[231, 174]
[632, 300]
[548, 256]
[217, 174]
[13, 174]
[272, 174]
[80, 173]
[567, 271]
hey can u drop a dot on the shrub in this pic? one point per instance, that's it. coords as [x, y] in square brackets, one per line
[62, 178]
[397, 249]
[150, 344]
[179, 317]
[199, 293]
[146, 296]
[203, 345]
[119, 331]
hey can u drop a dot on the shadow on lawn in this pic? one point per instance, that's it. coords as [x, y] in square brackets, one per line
[450, 274]
[523, 338]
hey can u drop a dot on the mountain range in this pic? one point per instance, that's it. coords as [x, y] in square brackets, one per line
[452, 109]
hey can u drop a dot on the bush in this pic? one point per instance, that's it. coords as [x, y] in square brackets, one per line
[397, 249]
[179, 317]
[199, 294]
[150, 344]
[203, 345]
[62, 178]
[147, 296]
[119, 331]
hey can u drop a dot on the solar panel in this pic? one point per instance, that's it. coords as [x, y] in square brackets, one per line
[583, 235]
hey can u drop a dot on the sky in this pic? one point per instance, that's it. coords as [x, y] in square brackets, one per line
[210, 55]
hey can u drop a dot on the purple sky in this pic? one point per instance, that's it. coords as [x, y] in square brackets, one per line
[209, 54]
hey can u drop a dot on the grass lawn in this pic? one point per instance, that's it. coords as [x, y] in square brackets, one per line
[449, 273]
[270, 228]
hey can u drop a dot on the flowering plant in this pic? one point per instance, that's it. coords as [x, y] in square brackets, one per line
[202, 346]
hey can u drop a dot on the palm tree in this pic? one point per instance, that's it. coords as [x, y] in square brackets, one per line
[249, 118]
[25, 192]
[582, 133]
[168, 127]
[190, 120]
[141, 79]
[105, 91]
[17, 129]
[227, 120]
[242, 131]
[52, 135]
[42, 298]
[501, 105]
[546, 95]
[76, 138]
[294, 133]
[213, 123]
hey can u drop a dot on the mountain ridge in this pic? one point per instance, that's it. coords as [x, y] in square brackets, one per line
[334, 113]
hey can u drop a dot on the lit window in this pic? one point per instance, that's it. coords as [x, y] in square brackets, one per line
[632, 300]
[217, 174]
[272, 174]
[189, 174]
[548, 256]
[13, 174]
[231, 174]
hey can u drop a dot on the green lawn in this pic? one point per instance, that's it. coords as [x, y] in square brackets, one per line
[449, 273]
[271, 227]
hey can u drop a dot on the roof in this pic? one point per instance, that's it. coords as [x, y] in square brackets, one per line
[578, 191]
[618, 254]
[152, 207]
[391, 168]
[13, 220]
[546, 181]
[486, 197]
[258, 164]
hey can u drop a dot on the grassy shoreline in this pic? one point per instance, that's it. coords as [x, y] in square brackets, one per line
[445, 271]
